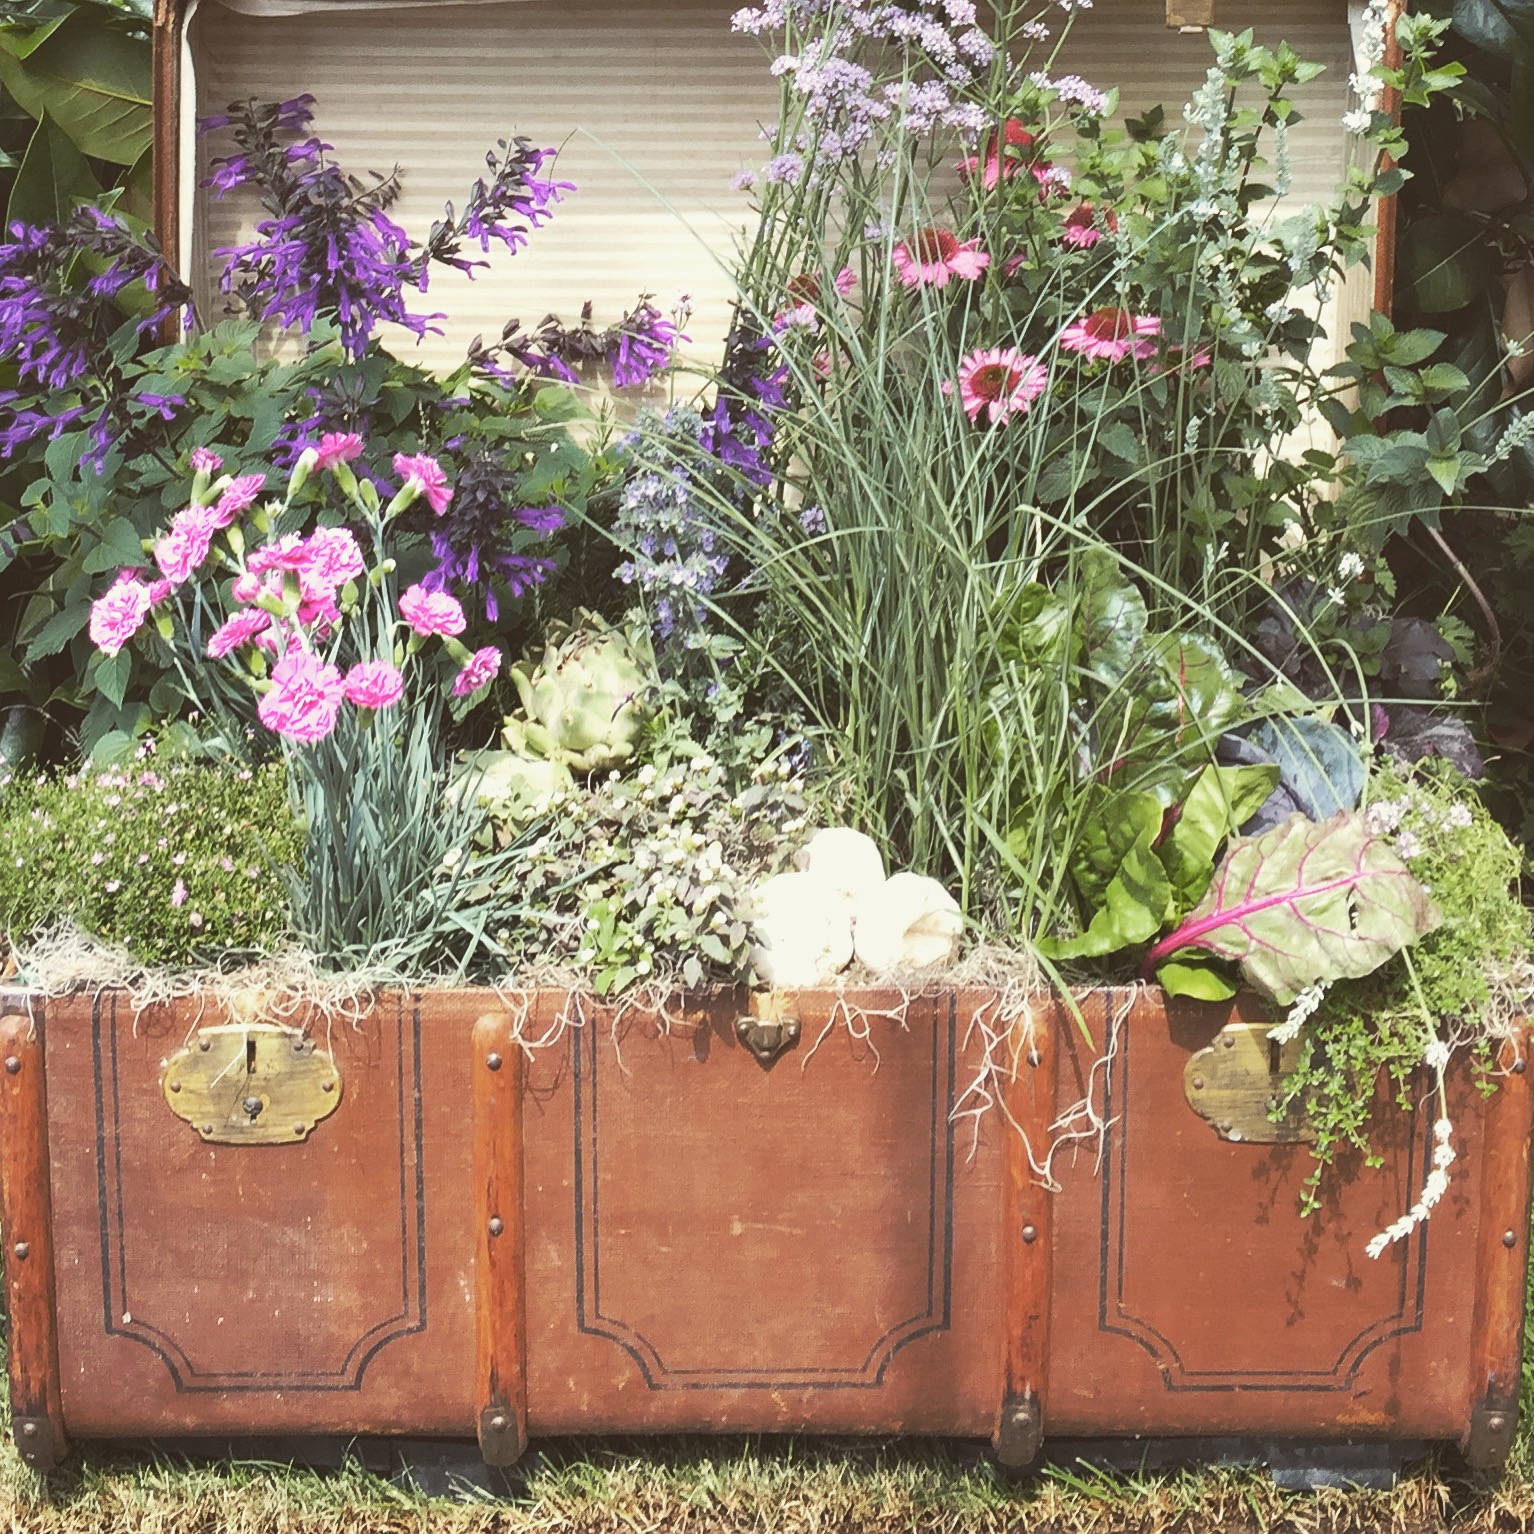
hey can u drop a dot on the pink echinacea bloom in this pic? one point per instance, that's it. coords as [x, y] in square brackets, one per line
[935, 255]
[1084, 226]
[1005, 154]
[425, 474]
[304, 698]
[478, 671]
[1110, 335]
[999, 380]
[431, 612]
[373, 684]
[119, 613]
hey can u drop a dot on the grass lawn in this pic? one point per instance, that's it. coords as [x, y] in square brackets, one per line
[717, 1485]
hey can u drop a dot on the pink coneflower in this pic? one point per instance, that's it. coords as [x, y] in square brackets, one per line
[935, 255]
[1084, 225]
[1111, 335]
[999, 380]
[1005, 154]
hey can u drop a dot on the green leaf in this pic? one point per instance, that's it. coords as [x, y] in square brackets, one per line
[1304, 903]
[1112, 617]
[1221, 801]
[1441, 263]
[1119, 440]
[54, 176]
[94, 81]
[110, 674]
[1200, 979]
[1445, 471]
[58, 631]
[120, 545]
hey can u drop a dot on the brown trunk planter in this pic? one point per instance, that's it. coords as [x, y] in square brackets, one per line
[637, 1227]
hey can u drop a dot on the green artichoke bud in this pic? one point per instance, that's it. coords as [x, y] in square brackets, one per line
[586, 701]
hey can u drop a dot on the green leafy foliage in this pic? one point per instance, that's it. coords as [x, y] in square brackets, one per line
[176, 861]
[1445, 987]
[1304, 904]
[647, 877]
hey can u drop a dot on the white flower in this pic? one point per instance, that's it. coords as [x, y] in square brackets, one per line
[1357, 122]
[1436, 1055]
[1350, 566]
[1303, 1006]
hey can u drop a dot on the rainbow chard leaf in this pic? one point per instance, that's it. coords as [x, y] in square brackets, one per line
[1306, 902]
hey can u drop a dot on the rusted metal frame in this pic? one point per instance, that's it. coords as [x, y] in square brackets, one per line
[1502, 1262]
[1190, 15]
[1388, 214]
[1026, 1222]
[165, 145]
[500, 1304]
[37, 1411]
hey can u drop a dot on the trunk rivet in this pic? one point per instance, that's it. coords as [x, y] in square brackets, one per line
[1228, 1042]
[493, 1061]
[327, 1086]
[207, 1129]
[205, 1045]
[1030, 1234]
[1495, 1424]
[22, 1250]
[1510, 1238]
[175, 1086]
[300, 1130]
[498, 1424]
[12, 1065]
[1520, 1066]
[1034, 1057]
[29, 1429]
[1198, 1083]
[495, 1225]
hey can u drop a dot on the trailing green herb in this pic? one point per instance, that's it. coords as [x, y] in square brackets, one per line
[1448, 990]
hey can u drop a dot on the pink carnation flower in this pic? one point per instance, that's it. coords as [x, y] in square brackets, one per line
[337, 447]
[373, 684]
[304, 698]
[237, 497]
[431, 612]
[1000, 381]
[425, 474]
[478, 671]
[205, 461]
[331, 558]
[239, 629]
[186, 545]
[1110, 335]
[288, 553]
[1082, 229]
[935, 255]
[119, 613]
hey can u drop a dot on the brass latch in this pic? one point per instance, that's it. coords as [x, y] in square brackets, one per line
[1237, 1083]
[252, 1084]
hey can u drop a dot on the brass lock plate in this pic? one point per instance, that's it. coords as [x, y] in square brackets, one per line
[1236, 1082]
[252, 1084]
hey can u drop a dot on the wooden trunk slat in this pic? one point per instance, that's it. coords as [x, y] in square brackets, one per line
[500, 1322]
[1190, 1297]
[1502, 1261]
[831, 1243]
[26, 1218]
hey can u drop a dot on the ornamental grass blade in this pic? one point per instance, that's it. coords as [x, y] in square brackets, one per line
[1306, 902]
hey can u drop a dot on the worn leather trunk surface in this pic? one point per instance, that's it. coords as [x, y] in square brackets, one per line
[709, 1244]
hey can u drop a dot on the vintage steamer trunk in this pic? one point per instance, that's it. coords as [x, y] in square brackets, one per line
[776, 1219]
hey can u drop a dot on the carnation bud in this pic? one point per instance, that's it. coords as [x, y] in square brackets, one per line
[302, 470]
[236, 538]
